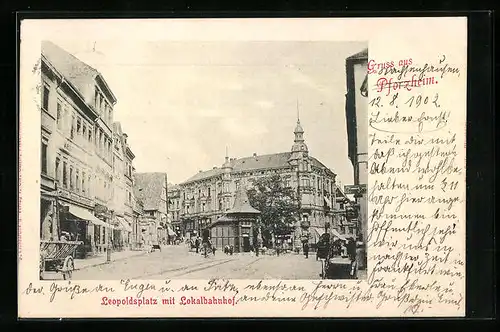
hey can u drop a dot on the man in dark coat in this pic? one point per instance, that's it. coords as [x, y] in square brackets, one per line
[197, 244]
[351, 253]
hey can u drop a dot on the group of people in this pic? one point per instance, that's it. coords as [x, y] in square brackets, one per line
[327, 248]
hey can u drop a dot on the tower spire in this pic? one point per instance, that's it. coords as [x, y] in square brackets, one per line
[227, 154]
[298, 114]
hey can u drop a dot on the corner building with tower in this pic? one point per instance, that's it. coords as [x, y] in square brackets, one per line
[209, 195]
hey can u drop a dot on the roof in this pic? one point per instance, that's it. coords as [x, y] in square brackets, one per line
[242, 204]
[359, 56]
[77, 72]
[148, 187]
[268, 161]
[173, 187]
[204, 175]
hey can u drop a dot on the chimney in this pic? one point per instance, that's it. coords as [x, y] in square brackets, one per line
[125, 136]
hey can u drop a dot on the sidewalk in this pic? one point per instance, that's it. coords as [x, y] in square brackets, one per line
[101, 258]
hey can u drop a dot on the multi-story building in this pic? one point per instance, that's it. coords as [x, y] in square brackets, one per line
[207, 195]
[357, 132]
[137, 214]
[123, 200]
[174, 207]
[76, 152]
[151, 189]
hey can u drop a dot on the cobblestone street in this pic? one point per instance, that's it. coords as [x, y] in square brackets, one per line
[176, 262]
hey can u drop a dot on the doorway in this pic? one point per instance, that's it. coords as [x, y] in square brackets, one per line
[246, 244]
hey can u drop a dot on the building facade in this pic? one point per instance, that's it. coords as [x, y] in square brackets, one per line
[207, 195]
[77, 110]
[357, 133]
[151, 189]
[123, 201]
[174, 207]
[357, 129]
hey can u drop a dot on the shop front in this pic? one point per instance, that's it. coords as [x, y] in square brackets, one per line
[121, 234]
[79, 224]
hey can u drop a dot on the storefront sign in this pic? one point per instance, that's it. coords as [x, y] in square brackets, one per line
[63, 193]
[355, 189]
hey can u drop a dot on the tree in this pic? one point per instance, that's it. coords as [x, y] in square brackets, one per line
[277, 204]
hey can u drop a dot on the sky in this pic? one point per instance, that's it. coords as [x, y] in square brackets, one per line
[182, 103]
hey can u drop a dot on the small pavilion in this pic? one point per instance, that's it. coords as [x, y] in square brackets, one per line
[236, 227]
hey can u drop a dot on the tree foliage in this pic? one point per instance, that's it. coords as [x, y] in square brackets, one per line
[277, 204]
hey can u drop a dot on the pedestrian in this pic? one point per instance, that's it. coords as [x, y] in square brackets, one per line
[213, 249]
[197, 245]
[351, 253]
[47, 226]
[306, 249]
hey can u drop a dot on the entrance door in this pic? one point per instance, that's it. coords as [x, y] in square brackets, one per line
[246, 244]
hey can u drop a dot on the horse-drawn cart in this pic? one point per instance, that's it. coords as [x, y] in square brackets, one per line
[57, 256]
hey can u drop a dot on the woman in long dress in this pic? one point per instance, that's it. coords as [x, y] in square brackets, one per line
[47, 226]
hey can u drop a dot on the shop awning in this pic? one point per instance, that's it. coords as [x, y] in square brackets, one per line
[170, 231]
[123, 224]
[83, 214]
[337, 234]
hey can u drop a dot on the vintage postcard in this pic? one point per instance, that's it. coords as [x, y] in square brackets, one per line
[242, 167]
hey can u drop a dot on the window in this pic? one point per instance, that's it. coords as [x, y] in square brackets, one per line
[78, 126]
[90, 134]
[65, 120]
[83, 183]
[84, 131]
[77, 181]
[88, 183]
[203, 207]
[208, 192]
[72, 133]
[71, 181]
[65, 175]
[96, 99]
[44, 158]
[58, 162]
[59, 115]
[45, 98]
[100, 141]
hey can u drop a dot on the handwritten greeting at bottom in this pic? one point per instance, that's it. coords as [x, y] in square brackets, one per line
[406, 94]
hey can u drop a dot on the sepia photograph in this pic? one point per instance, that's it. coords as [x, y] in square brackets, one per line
[202, 160]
